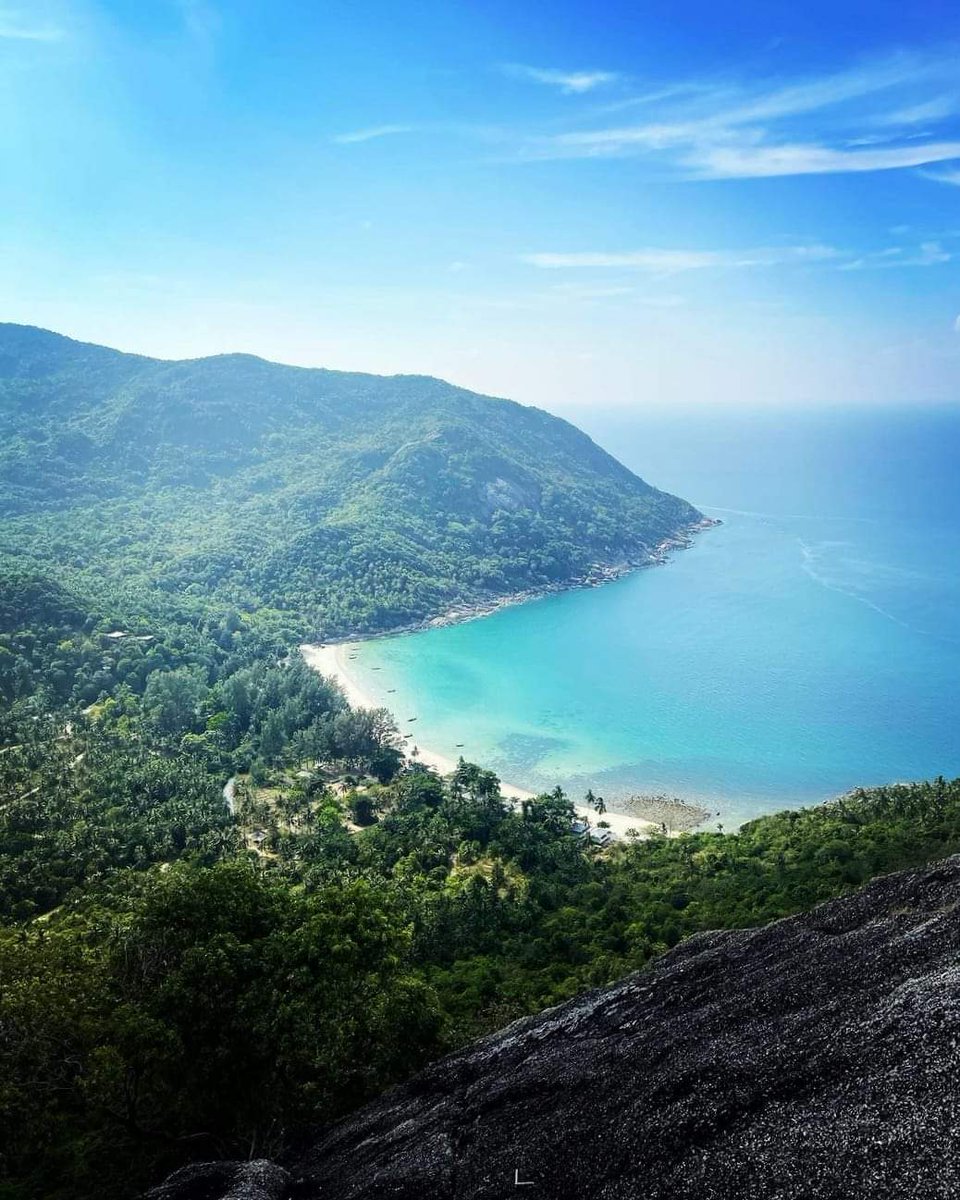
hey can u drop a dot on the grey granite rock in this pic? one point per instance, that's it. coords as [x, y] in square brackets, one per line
[256, 1180]
[817, 1058]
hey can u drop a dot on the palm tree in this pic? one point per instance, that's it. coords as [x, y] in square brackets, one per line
[595, 802]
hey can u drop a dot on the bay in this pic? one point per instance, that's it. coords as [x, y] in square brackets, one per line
[808, 645]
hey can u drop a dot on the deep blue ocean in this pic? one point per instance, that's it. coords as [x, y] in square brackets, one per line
[808, 645]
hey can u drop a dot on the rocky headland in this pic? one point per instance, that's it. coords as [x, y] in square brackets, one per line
[598, 574]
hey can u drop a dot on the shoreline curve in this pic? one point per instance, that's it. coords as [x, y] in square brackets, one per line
[330, 659]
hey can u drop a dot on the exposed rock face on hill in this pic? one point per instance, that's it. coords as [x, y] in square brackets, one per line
[817, 1057]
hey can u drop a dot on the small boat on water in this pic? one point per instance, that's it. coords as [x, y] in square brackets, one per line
[389, 690]
[411, 718]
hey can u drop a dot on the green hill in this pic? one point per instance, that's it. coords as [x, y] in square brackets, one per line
[358, 502]
[193, 971]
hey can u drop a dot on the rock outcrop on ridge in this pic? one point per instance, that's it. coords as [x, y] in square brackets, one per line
[817, 1057]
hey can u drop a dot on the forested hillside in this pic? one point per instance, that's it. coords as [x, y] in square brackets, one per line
[356, 502]
[173, 988]
[810, 1059]
[230, 909]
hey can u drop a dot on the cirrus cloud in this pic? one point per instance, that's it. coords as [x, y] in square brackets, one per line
[369, 134]
[669, 262]
[869, 117]
[573, 83]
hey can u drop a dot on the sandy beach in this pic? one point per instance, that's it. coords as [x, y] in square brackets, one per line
[332, 660]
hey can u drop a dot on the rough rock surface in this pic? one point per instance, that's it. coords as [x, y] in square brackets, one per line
[818, 1057]
[255, 1180]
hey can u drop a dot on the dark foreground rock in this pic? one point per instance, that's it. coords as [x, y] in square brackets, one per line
[255, 1180]
[818, 1057]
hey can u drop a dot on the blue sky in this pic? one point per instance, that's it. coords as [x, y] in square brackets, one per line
[604, 204]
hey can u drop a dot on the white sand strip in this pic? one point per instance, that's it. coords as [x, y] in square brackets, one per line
[333, 661]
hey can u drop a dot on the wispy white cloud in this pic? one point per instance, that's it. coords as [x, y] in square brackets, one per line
[669, 262]
[17, 27]
[930, 254]
[926, 111]
[596, 143]
[665, 262]
[721, 110]
[927, 254]
[367, 135]
[570, 82]
[740, 162]
[811, 126]
[682, 89]
[829, 91]
[950, 175]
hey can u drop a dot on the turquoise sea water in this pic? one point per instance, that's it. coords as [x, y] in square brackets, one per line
[808, 645]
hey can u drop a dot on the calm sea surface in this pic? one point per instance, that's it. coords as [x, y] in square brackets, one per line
[808, 645]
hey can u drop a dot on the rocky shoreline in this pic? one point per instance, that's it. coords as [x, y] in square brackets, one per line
[649, 812]
[596, 576]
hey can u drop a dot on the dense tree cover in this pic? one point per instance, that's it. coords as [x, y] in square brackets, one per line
[78, 807]
[187, 971]
[352, 501]
[445, 910]
[74, 645]
[220, 1004]
[198, 1012]
[135, 780]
